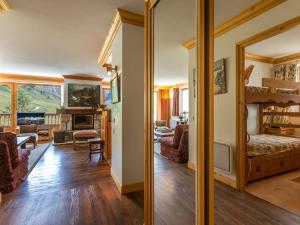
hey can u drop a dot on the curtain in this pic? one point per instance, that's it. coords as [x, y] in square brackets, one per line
[164, 105]
[175, 108]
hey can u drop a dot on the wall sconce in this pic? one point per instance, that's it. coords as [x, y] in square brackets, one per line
[110, 68]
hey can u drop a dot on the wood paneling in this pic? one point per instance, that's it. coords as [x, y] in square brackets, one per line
[239, 19]
[122, 16]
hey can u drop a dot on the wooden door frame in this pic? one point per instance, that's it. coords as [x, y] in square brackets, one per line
[241, 129]
[205, 102]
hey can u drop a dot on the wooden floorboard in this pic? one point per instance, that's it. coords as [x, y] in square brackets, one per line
[65, 188]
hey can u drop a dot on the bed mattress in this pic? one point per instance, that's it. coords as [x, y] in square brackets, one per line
[265, 144]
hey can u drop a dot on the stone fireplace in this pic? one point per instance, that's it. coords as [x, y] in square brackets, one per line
[82, 121]
[79, 119]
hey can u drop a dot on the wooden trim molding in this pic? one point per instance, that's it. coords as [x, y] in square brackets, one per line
[226, 180]
[122, 16]
[259, 58]
[82, 77]
[287, 58]
[191, 165]
[125, 189]
[4, 6]
[4, 77]
[241, 125]
[241, 18]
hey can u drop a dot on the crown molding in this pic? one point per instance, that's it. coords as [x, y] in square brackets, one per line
[122, 16]
[259, 58]
[241, 18]
[5, 77]
[4, 6]
[287, 58]
[82, 77]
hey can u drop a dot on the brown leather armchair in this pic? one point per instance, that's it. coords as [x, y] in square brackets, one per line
[176, 148]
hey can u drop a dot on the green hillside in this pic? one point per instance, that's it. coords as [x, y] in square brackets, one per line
[32, 98]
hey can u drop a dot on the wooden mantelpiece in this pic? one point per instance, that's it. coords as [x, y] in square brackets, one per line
[77, 111]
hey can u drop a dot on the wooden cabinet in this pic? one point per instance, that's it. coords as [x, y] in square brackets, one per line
[105, 133]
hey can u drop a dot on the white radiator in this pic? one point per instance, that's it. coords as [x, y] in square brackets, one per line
[223, 157]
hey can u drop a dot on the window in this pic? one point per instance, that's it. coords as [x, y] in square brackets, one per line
[5, 104]
[185, 100]
[38, 98]
[155, 106]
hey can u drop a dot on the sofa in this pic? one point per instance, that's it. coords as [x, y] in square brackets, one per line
[30, 130]
[176, 148]
[13, 162]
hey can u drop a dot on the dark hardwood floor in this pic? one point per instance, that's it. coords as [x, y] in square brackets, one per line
[174, 201]
[65, 188]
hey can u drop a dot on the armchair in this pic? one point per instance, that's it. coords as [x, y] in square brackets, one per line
[176, 148]
[13, 162]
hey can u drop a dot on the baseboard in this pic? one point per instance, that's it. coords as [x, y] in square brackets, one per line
[132, 188]
[125, 189]
[220, 177]
[226, 180]
[191, 165]
[116, 180]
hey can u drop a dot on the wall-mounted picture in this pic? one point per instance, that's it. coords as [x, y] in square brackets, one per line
[106, 96]
[115, 84]
[220, 77]
[83, 95]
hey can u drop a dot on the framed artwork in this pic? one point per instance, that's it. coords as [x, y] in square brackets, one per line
[83, 95]
[220, 77]
[115, 85]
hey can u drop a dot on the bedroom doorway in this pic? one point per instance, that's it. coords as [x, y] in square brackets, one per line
[268, 106]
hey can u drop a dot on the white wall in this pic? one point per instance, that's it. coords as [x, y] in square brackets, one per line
[133, 104]
[192, 108]
[225, 47]
[116, 110]
[261, 70]
[128, 115]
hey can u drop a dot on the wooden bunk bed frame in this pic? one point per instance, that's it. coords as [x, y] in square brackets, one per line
[258, 167]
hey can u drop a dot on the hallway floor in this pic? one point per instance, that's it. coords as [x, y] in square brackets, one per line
[65, 188]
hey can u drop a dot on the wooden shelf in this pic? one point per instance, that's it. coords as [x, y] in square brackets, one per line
[269, 98]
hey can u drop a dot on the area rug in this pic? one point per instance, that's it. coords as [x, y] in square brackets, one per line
[36, 154]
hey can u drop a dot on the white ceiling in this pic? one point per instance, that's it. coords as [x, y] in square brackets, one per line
[283, 44]
[57, 37]
[174, 23]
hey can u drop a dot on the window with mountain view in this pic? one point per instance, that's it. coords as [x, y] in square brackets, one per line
[5, 104]
[38, 98]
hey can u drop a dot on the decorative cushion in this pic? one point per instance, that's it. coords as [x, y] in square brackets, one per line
[85, 134]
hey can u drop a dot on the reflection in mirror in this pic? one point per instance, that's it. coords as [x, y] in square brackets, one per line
[174, 112]
[257, 128]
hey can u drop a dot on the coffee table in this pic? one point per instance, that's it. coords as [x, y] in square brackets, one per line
[21, 141]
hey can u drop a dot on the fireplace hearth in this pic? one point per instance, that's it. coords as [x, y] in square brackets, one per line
[82, 121]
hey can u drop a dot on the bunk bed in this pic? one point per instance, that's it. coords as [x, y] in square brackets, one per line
[275, 150]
